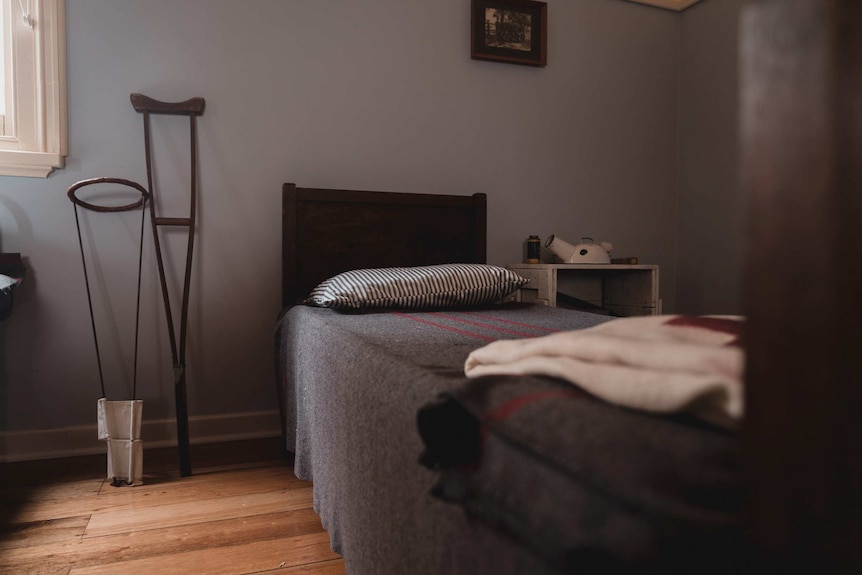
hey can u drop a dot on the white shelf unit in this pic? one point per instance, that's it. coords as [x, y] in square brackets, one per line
[625, 290]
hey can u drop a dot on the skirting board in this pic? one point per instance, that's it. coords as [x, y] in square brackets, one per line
[82, 440]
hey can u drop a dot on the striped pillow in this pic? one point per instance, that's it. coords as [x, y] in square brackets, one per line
[440, 286]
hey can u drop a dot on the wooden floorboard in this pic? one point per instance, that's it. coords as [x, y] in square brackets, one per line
[189, 513]
[335, 567]
[226, 560]
[234, 518]
[104, 497]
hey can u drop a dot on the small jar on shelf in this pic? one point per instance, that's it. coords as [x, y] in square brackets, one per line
[534, 250]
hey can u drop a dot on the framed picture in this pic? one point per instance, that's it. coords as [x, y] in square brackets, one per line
[513, 31]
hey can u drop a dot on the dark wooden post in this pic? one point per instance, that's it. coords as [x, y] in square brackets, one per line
[801, 113]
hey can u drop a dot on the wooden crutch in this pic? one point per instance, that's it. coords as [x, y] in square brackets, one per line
[192, 108]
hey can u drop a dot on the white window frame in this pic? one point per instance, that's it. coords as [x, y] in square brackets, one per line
[35, 142]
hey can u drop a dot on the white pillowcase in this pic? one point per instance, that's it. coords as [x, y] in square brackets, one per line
[7, 283]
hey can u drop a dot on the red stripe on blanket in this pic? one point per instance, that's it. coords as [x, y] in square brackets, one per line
[729, 326]
[518, 323]
[446, 327]
[485, 325]
[510, 407]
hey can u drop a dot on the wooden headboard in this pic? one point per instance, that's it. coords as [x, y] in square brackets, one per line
[326, 232]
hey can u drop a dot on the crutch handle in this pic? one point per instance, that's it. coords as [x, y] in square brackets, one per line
[193, 106]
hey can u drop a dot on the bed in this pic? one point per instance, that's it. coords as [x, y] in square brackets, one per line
[418, 469]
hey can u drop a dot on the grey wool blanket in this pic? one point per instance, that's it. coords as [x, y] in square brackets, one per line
[366, 396]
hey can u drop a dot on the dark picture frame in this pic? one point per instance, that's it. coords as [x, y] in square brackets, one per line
[511, 31]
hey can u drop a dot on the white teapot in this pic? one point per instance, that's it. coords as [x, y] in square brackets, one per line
[586, 252]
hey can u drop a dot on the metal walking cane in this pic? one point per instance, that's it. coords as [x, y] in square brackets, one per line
[192, 108]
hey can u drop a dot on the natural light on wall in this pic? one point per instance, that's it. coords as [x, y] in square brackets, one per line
[3, 52]
[32, 87]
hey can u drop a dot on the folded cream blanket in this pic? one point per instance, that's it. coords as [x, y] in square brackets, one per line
[664, 364]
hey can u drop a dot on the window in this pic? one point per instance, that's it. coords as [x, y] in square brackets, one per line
[33, 90]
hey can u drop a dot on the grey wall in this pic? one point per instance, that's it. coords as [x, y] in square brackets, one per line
[710, 218]
[330, 93]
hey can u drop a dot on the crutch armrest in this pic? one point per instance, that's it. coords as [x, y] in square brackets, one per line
[194, 106]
